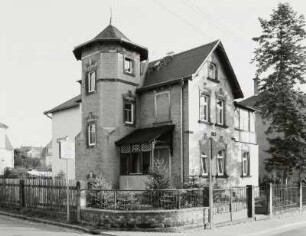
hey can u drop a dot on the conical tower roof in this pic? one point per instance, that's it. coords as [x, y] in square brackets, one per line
[111, 35]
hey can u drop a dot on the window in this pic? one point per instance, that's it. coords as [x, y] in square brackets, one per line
[204, 164]
[91, 81]
[220, 112]
[128, 65]
[135, 163]
[245, 163]
[162, 106]
[220, 162]
[128, 112]
[245, 120]
[91, 134]
[212, 71]
[204, 107]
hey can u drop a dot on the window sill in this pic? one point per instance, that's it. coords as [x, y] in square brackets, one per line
[225, 176]
[129, 124]
[205, 122]
[222, 126]
[132, 74]
[91, 92]
[213, 80]
[246, 176]
[134, 174]
[204, 176]
[91, 146]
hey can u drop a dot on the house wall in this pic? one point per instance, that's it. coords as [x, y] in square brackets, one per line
[106, 104]
[198, 130]
[66, 123]
[6, 156]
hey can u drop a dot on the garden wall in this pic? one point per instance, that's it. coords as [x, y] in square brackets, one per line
[167, 220]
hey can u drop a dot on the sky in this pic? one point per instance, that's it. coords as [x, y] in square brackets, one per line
[38, 70]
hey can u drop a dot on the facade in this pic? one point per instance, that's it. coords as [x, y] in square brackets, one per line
[180, 109]
[6, 150]
[66, 125]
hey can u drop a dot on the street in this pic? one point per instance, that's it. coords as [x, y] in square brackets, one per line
[16, 227]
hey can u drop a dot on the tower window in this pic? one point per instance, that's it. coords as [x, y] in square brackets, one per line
[212, 71]
[128, 65]
[128, 112]
[204, 164]
[220, 162]
[91, 81]
[220, 112]
[245, 163]
[91, 134]
[204, 107]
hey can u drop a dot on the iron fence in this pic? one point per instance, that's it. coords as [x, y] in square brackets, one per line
[130, 200]
[285, 197]
[261, 198]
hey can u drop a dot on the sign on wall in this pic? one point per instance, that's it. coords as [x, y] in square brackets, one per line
[66, 150]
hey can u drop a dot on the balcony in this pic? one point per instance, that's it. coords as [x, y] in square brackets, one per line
[245, 136]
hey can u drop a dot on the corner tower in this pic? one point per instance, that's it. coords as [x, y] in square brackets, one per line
[111, 72]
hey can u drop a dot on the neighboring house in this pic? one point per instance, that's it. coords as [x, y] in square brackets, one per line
[66, 124]
[31, 152]
[6, 150]
[134, 112]
[47, 155]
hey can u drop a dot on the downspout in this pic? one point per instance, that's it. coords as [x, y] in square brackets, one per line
[182, 133]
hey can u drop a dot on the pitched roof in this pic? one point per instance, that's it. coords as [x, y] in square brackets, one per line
[3, 126]
[73, 102]
[185, 64]
[8, 144]
[145, 135]
[250, 101]
[111, 32]
[112, 35]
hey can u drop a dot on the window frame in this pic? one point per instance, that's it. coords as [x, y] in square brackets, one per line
[127, 170]
[204, 159]
[202, 107]
[223, 173]
[131, 65]
[133, 113]
[246, 159]
[89, 143]
[223, 111]
[214, 74]
[89, 80]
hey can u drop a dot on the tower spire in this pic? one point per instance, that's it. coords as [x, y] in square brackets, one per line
[111, 16]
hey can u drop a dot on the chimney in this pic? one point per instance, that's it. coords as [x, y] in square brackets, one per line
[256, 84]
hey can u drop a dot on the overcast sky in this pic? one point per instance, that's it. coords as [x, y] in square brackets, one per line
[38, 70]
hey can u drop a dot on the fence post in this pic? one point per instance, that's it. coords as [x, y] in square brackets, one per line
[179, 199]
[78, 201]
[21, 193]
[231, 204]
[115, 199]
[301, 197]
[250, 201]
[271, 200]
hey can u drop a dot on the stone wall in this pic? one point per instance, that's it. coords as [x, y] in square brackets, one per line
[149, 220]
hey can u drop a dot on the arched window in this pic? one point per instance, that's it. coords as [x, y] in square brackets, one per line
[212, 71]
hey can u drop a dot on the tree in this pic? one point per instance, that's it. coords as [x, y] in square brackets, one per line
[159, 175]
[281, 64]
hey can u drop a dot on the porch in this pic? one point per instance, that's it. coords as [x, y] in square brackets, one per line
[138, 152]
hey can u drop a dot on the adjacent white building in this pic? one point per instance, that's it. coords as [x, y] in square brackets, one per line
[6, 150]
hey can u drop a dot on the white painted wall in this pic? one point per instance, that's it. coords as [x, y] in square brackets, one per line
[6, 156]
[64, 123]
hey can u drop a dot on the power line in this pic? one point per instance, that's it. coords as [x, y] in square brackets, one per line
[182, 19]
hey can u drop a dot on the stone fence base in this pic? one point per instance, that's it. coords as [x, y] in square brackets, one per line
[165, 220]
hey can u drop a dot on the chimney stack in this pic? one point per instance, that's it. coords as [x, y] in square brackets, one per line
[256, 85]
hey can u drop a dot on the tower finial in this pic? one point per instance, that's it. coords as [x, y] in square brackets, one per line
[111, 16]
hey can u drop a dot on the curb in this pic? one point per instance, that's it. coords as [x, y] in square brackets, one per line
[55, 223]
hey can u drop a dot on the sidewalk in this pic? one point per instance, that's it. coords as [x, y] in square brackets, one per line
[254, 228]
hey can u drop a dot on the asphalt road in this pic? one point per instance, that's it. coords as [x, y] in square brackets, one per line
[16, 227]
[293, 232]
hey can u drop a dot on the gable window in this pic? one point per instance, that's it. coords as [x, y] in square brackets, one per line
[204, 107]
[162, 106]
[128, 65]
[204, 164]
[91, 134]
[245, 163]
[128, 112]
[220, 162]
[212, 71]
[220, 112]
[91, 81]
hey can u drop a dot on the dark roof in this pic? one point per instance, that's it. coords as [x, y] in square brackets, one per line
[112, 35]
[250, 101]
[74, 102]
[145, 135]
[185, 64]
[3, 126]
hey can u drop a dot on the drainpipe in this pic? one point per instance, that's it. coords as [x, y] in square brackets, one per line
[182, 133]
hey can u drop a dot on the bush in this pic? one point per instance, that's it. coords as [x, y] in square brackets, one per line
[159, 175]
